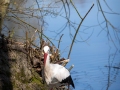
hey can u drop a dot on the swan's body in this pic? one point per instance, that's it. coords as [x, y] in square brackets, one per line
[55, 73]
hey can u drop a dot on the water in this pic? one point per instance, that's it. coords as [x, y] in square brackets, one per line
[96, 58]
[90, 71]
[94, 55]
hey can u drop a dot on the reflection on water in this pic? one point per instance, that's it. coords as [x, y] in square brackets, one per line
[97, 61]
[99, 72]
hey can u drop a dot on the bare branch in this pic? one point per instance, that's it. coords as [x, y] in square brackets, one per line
[78, 30]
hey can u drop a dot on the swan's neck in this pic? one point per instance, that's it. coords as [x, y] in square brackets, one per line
[46, 59]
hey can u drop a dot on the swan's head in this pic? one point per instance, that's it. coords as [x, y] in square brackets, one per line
[46, 49]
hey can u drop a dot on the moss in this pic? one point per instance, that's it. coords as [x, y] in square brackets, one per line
[21, 76]
[18, 71]
[38, 83]
[35, 80]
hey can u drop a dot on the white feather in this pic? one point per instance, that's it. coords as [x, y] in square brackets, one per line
[54, 73]
[59, 72]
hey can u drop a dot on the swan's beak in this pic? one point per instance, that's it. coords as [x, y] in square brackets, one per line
[45, 57]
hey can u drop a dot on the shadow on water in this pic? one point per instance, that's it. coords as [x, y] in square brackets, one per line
[113, 69]
[97, 71]
[5, 73]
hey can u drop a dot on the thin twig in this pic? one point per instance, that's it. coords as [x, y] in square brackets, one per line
[71, 67]
[78, 30]
[32, 27]
[59, 41]
[39, 22]
[107, 23]
[76, 9]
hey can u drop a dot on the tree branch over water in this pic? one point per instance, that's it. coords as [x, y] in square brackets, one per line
[78, 28]
[108, 23]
